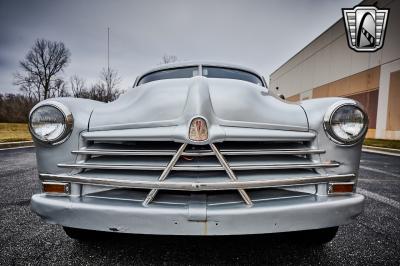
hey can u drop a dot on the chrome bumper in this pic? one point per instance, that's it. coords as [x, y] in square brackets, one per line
[280, 215]
[197, 185]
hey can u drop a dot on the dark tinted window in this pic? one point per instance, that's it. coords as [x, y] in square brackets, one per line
[230, 73]
[176, 73]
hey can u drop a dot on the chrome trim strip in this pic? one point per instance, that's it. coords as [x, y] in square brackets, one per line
[233, 132]
[231, 174]
[284, 166]
[238, 167]
[197, 186]
[111, 167]
[125, 152]
[270, 151]
[199, 153]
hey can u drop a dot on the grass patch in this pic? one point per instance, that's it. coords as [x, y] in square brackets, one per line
[384, 143]
[14, 132]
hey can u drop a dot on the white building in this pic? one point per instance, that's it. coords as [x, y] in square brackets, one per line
[328, 67]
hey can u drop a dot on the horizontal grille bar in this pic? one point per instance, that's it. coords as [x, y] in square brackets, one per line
[203, 167]
[197, 186]
[271, 151]
[198, 153]
[125, 152]
[231, 134]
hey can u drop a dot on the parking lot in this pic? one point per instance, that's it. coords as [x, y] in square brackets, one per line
[374, 238]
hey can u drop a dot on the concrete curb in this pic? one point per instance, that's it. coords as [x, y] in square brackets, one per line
[380, 150]
[15, 144]
[373, 148]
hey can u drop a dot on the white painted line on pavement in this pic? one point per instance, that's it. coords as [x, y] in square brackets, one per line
[381, 152]
[381, 148]
[379, 198]
[16, 148]
[379, 171]
[377, 180]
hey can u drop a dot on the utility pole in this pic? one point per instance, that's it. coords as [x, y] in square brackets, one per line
[108, 74]
[108, 49]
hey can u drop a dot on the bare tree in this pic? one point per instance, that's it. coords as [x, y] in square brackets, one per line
[28, 85]
[110, 81]
[105, 90]
[166, 59]
[42, 64]
[78, 86]
[59, 88]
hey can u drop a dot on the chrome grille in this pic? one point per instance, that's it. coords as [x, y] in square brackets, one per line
[240, 156]
[168, 165]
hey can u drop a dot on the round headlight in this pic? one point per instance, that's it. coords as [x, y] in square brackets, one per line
[51, 122]
[345, 122]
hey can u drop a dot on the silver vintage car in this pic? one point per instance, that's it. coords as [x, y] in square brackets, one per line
[199, 149]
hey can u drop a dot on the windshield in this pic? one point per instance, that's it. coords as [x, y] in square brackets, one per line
[175, 73]
[208, 71]
[230, 73]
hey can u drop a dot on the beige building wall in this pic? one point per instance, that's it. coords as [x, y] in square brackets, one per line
[328, 67]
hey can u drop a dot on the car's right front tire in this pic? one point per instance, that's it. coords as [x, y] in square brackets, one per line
[81, 234]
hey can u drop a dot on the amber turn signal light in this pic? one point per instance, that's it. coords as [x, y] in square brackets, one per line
[340, 188]
[58, 188]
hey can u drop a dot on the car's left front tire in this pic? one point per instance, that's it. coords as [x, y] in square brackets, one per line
[316, 237]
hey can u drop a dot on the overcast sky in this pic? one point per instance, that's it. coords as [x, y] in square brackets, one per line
[259, 34]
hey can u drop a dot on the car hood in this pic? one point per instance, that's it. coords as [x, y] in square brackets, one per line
[225, 102]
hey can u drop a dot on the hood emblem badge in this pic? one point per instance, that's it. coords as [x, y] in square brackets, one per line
[198, 130]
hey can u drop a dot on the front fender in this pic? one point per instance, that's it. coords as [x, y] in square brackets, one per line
[347, 155]
[48, 156]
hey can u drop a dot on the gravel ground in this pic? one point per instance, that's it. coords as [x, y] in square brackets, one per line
[374, 238]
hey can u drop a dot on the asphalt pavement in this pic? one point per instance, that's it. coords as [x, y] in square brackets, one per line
[373, 239]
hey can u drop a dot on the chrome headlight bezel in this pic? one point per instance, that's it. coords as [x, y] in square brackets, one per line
[68, 121]
[328, 122]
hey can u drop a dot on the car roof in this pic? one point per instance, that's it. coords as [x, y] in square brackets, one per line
[198, 63]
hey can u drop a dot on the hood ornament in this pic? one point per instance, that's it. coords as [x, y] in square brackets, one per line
[198, 130]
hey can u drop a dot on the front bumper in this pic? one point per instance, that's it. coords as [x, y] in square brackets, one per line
[279, 215]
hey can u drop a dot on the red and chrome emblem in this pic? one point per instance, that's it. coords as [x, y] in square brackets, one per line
[198, 130]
